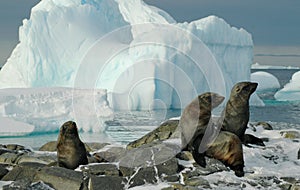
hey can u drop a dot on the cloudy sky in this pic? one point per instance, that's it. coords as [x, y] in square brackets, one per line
[274, 24]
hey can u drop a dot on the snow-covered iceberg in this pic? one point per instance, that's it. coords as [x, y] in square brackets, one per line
[265, 80]
[291, 91]
[41, 110]
[139, 53]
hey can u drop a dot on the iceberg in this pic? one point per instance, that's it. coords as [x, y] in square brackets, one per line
[43, 110]
[265, 80]
[291, 91]
[138, 53]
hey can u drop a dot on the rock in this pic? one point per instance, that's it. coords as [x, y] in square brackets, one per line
[37, 158]
[9, 157]
[49, 146]
[106, 183]
[185, 155]
[112, 154]
[143, 176]
[25, 184]
[299, 153]
[163, 132]
[198, 181]
[290, 134]
[60, 178]
[265, 125]
[3, 170]
[171, 178]
[212, 166]
[295, 186]
[170, 167]
[90, 147]
[23, 171]
[101, 169]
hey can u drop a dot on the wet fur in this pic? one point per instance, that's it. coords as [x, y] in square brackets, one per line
[196, 116]
[71, 151]
[227, 148]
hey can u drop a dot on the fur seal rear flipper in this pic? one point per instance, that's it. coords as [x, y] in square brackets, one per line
[227, 148]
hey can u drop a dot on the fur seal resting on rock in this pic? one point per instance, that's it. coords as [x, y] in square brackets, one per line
[71, 151]
[196, 116]
[235, 116]
[227, 147]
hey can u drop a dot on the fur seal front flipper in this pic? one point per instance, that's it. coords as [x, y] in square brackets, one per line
[251, 139]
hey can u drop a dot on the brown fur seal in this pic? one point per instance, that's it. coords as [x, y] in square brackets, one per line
[71, 151]
[235, 116]
[196, 116]
[227, 148]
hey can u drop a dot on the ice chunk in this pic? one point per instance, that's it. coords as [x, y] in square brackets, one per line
[291, 91]
[265, 80]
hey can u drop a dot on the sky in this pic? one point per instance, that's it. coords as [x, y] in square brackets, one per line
[274, 24]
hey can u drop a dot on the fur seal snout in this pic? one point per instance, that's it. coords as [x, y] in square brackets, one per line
[71, 151]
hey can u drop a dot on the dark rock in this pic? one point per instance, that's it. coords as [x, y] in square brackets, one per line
[171, 178]
[37, 158]
[17, 147]
[112, 154]
[265, 125]
[21, 184]
[23, 171]
[163, 132]
[169, 167]
[3, 171]
[198, 181]
[101, 169]
[60, 178]
[107, 183]
[5, 150]
[299, 153]
[143, 176]
[9, 158]
[51, 146]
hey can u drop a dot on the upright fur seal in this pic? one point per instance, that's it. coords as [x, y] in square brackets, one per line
[71, 151]
[196, 116]
[235, 116]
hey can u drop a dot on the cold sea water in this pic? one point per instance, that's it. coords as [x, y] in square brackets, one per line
[128, 126]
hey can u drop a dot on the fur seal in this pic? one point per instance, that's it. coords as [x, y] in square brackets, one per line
[235, 116]
[227, 147]
[196, 116]
[71, 151]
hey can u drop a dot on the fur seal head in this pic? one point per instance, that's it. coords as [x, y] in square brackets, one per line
[71, 151]
[236, 113]
[196, 116]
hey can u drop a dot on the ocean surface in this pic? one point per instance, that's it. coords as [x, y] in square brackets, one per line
[128, 126]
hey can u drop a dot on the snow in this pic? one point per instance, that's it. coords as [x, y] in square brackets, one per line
[265, 80]
[259, 66]
[291, 91]
[139, 53]
[40, 110]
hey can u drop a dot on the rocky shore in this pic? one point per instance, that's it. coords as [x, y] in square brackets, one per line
[151, 165]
